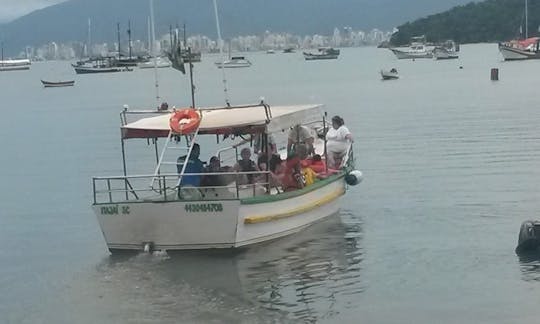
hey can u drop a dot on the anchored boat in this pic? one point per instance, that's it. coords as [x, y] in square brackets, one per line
[175, 207]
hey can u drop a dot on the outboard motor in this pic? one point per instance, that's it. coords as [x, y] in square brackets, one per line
[354, 177]
[529, 236]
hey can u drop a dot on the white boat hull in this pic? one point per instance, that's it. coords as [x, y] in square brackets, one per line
[513, 54]
[401, 54]
[208, 224]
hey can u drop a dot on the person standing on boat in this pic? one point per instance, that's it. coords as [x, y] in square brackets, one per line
[338, 140]
[194, 165]
[300, 134]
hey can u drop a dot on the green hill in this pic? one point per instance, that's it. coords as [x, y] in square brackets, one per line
[488, 21]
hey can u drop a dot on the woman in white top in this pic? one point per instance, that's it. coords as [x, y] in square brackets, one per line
[338, 139]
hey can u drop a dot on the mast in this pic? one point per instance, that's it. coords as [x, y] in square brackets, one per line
[89, 38]
[118, 33]
[220, 44]
[526, 19]
[152, 49]
[129, 37]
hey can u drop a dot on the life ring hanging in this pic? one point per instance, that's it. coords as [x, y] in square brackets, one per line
[184, 121]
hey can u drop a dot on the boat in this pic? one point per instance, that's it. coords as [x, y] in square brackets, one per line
[416, 49]
[323, 53]
[521, 49]
[524, 49]
[53, 84]
[194, 57]
[99, 65]
[289, 50]
[391, 74]
[234, 62]
[158, 211]
[160, 62]
[446, 51]
[270, 51]
[13, 65]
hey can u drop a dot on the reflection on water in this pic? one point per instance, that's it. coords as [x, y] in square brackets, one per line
[530, 265]
[300, 278]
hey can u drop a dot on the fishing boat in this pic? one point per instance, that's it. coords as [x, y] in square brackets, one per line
[55, 84]
[446, 51]
[391, 74]
[526, 48]
[234, 62]
[323, 53]
[160, 211]
[99, 65]
[13, 65]
[416, 49]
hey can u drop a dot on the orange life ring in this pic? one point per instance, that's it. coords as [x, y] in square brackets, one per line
[184, 121]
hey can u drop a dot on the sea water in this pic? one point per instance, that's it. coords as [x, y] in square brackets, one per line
[450, 160]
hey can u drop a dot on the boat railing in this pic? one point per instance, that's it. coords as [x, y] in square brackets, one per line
[117, 189]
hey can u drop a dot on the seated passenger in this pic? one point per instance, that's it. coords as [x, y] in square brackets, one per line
[194, 165]
[214, 165]
[245, 164]
[292, 178]
[317, 164]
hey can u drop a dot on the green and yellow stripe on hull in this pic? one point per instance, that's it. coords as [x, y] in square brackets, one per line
[303, 209]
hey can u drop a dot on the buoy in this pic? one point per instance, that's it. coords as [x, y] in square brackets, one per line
[494, 74]
[529, 236]
[354, 177]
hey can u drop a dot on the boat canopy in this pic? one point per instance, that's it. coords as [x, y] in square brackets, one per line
[231, 120]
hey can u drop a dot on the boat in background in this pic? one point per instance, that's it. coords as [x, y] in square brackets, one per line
[234, 62]
[289, 50]
[323, 53]
[160, 62]
[417, 49]
[391, 74]
[15, 65]
[525, 49]
[99, 65]
[447, 50]
[521, 49]
[56, 84]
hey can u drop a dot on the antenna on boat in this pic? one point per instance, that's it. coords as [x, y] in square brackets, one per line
[152, 50]
[220, 44]
[526, 20]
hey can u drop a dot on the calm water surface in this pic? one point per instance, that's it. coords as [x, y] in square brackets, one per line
[450, 160]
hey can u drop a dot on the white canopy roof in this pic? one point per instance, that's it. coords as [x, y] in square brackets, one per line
[230, 120]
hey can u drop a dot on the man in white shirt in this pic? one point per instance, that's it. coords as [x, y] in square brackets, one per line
[300, 134]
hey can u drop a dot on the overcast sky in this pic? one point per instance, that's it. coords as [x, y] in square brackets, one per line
[12, 9]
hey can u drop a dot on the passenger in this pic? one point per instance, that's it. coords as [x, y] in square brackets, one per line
[292, 178]
[300, 134]
[317, 164]
[245, 164]
[214, 165]
[194, 165]
[338, 140]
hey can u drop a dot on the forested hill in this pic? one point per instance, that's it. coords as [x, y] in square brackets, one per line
[488, 21]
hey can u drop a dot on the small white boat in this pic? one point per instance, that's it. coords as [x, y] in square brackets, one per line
[158, 211]
[417, 49]
[234, 62]
[391, 74]
[160, 62]
[323, 53]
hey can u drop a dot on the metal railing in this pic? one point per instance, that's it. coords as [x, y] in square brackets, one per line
[117, 189]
